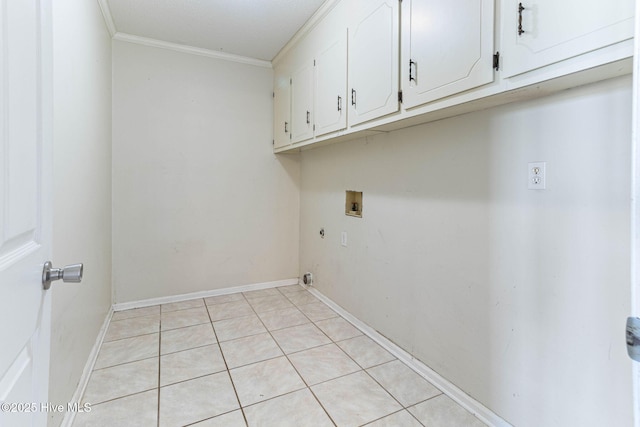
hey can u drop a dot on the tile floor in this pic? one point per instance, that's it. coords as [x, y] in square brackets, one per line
[273, 357]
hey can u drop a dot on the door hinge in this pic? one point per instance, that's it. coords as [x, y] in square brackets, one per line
[633, 338]
[290, 81]
[496, 61]
[273, 94]
[399, 96]
[314, 62]
[273, 142]
[314, 128]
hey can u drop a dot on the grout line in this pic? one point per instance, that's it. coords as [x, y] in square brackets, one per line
[224, 359]
[308, 387]
[159, 364]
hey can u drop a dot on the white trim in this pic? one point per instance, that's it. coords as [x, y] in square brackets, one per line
[476, 408]
[204, 294]
[70, 416]
[108, 18]
[145, 41]
[311, 23]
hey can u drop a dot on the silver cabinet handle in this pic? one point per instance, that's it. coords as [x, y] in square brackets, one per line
[70, 273]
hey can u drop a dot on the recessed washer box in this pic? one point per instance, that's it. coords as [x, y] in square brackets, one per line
[353, 203]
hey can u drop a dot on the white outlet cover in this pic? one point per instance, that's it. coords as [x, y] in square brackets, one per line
[537, 176]
[343, 238]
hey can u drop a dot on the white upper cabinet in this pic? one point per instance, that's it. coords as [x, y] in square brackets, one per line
[373, 60]
[331, 87]
[536, 33]
[302, 103]
[281, 111]
[447, 48]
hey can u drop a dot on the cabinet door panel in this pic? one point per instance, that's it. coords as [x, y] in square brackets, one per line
[447, 48]
[556, 30]
[331, 88]
[373, 62]
[281, 111]
[302, 103]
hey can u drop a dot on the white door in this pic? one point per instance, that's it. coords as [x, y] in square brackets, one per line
[25, 209]
[302, 103]
[447, 48]
[281, 110]
[635, 208]
[373, 61]
[546, 31]
[331, 87]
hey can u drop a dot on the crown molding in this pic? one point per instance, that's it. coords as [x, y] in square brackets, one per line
[190, 49]
[315, 19]
[108, 19]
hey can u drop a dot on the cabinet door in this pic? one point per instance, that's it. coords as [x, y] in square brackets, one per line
[302, 103]
[331, 87]
[447, 48]
[281, 111]
[546, 31]
[373, 61]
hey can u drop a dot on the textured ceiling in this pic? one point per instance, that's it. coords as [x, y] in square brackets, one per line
[252, 28]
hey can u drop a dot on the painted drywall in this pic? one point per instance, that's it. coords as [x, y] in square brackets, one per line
[82, 189]
[200, 202]
[518, 297]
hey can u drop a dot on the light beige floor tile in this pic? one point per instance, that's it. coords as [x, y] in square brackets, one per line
[182, 318]
[277, 302]
[122, 380]
[181, 305]
[295, 409]
[323, 363]
[302, 298]
[251, 349]
[402, 418]
[317, 311]
[355, 399]
[238, 327]
[196, 400]
[338, 329]
[221, 299]
[132, 327]
[136, 312]
[291, 289]
[403, 383]
[138, 410]
[230, 419]
[365, 351]
[264, 380]
[188, 364]
[229, 310]
[441, 411]
[127, 350]
[186, 338]
[299, 338]
[270, 292]
[283, 318]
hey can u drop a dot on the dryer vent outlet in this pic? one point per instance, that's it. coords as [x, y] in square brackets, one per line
[307, 279]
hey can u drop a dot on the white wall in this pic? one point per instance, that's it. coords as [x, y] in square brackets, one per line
[199, 200]
[82, 189]
[518, 297]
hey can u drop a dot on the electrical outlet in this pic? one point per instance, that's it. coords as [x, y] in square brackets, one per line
[343, 238]
[537, 177]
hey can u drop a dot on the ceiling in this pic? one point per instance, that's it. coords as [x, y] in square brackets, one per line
[251, 28]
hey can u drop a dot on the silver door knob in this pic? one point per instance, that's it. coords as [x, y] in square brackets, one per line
[70, 273]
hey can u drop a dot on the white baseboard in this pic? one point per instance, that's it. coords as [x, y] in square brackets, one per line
[463, 399]
[203, 294]
[70, 416]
